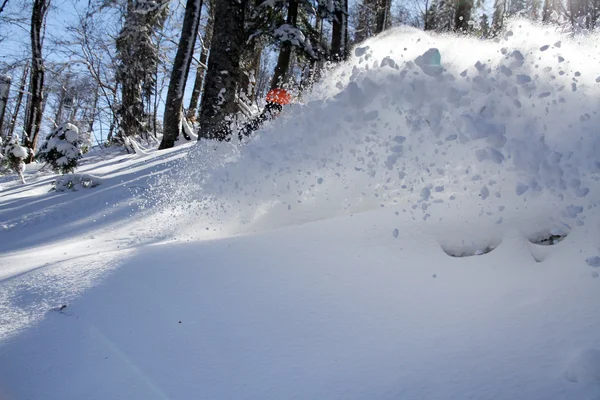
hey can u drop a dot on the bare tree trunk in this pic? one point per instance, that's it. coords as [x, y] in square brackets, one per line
[339, 37]
[94, 112]
[34, 119]
[4, 91]
[383, 15]
[179, 74]
[2, 5]
[13, 121]
[283, 61]
[223, 76]
[59, 109]
[199, 81]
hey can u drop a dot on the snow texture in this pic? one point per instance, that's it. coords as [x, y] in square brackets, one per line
[381, 241]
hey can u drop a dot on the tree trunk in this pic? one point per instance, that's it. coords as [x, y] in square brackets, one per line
[250, 70]
[498, 17]
[547, 10]
[34, 118]
[199, 81]
[339, 37]
[59, 108]
[223, 76]
[179, 74]
[383, 15]
[283, 61]
[463, 16]
[13, 120]
[4, 90]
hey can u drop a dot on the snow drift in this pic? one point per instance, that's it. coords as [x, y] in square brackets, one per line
[438, 126]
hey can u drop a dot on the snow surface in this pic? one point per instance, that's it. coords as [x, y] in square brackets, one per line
[405, 234]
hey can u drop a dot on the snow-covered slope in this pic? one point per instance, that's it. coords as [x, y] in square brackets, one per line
[412, 231]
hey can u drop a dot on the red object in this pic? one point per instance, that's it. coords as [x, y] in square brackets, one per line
[279, 96]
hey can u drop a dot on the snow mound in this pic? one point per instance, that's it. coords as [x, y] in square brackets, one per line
[584, 367]
[417, 123]
[74, 182]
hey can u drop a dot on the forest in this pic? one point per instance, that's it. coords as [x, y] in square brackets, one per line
[121, 72]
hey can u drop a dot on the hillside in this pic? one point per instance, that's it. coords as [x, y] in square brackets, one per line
[423, 226]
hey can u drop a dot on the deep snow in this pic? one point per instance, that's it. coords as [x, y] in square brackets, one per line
[322, 256]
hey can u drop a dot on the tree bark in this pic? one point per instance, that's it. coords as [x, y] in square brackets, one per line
[223, 76]
[13, 120]
[4, 91]
[250, 70]
[283, 61]
[339, 37]
[383, 15]
[199, 81]
[463, 16]
[34, 118]
[179, 74]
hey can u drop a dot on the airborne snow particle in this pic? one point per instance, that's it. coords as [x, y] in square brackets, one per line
[485, 193]
[593, 261]
[395, 233]
[521, 188]
[544, 48]
[360, 51]
[425, 193]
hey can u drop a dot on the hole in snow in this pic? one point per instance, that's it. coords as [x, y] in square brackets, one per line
[469, 251]
[548, 238]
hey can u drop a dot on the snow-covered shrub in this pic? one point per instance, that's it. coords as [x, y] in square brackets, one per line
[75, 182]
[14, 155]
[62, 149]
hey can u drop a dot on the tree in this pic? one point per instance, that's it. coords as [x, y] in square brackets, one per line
[34, 117]
[339, 37]
[4, 90]
[201, 70]
[498, 17]
[181, 67]
[91, 44]
[62, 149]
[289, 34]
[19, 101]
[383, 15]
[463, 15]
[374, 16]
[548, 10]
[138, 56]
[219, 103]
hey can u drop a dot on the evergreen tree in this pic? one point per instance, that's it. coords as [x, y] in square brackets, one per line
[138, 58]
[62, 149]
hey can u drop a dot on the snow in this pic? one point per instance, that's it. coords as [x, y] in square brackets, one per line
[400, 235]
[289, 33]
